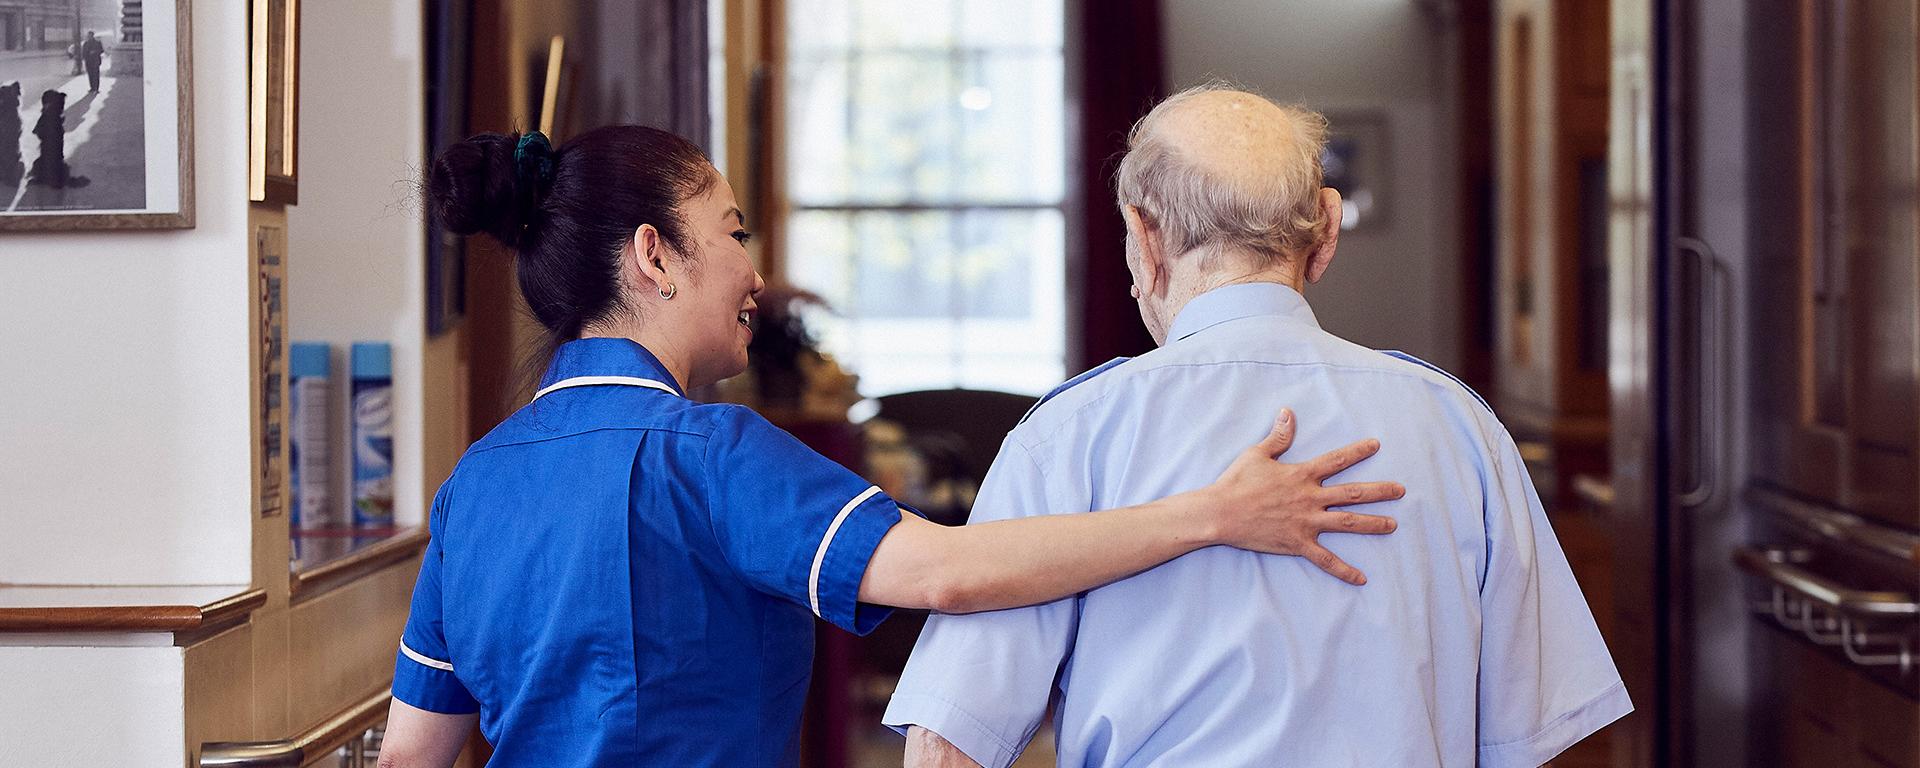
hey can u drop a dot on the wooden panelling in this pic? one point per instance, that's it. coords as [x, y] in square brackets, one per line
[219, 690]
[341, 644]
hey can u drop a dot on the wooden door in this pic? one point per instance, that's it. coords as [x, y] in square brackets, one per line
[1834, 413]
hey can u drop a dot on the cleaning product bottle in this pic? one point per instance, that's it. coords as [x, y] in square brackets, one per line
[308, 368]
[372, 435]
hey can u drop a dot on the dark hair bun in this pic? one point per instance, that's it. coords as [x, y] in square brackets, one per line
[474, 188]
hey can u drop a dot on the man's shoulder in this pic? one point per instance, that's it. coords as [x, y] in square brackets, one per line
[1437, 375]
[1069, 384]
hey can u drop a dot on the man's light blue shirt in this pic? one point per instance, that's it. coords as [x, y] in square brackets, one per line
[1470, 645]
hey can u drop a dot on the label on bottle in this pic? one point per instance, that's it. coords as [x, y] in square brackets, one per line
[372, 454]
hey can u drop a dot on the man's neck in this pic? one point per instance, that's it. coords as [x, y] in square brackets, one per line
[1185, 288]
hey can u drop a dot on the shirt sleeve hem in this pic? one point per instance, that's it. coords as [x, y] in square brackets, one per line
[1565, 731]
[434, 690]
[845, 565]
[959, 727]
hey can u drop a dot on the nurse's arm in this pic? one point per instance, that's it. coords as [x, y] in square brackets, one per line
[1258, 504]
[417, 738]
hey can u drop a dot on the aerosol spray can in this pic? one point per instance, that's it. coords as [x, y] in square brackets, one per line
[372, 435]
[308, 368]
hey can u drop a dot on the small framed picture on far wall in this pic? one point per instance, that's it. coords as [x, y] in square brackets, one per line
[96, 115]
[1355, 162]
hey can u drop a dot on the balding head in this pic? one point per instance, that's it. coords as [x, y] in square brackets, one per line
[1227, 170]
[1226, 184]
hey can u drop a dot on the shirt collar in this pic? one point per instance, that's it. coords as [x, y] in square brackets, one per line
[1233, 302]
[607, 357]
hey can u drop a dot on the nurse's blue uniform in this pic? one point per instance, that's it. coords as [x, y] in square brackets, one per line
[620, 576]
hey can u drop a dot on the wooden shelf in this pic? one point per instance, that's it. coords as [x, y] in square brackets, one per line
[332, 558]
[124, 609]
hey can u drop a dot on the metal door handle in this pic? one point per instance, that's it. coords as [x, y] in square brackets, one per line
[1714, 453]
[1829, 613]
[1781, 566]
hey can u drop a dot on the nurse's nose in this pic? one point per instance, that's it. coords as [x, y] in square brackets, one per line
[759, 284]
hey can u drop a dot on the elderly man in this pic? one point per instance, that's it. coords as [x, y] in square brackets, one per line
[1470, 644]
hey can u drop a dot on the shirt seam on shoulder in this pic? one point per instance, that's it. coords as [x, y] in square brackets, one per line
[670, 430]
[1555, 723]
[713, 531]
[1118, 382]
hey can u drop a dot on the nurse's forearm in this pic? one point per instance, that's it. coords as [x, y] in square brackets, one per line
[1033, 560]
[1257, 504]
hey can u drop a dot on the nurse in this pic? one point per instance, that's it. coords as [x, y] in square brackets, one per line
[618, 575]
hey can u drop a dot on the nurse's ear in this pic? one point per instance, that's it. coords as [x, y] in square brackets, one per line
[646, 255]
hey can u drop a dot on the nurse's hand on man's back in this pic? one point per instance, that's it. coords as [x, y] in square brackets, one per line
[1267, 506]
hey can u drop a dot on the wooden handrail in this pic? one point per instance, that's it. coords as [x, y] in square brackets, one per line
[317, 743]
[321, 577]
[37, 616]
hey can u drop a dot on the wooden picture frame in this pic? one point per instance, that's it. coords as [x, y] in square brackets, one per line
[126, 161]
[449, 65]
[274, 101]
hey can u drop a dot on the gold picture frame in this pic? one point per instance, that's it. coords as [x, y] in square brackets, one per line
[274, 102]
[133, 169]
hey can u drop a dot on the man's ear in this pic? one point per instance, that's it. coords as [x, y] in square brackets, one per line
[1329, 235]
[646, 252]
[1150, 274]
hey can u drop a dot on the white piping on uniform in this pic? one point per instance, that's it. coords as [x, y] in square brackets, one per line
[416, 656]
[589, 381]
[820, 555]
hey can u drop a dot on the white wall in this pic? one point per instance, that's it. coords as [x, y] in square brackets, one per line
[123, 365]
[356, 256]
[93, 706]
[1395, 286]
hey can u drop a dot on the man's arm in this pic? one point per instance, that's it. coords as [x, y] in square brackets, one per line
[925, 749]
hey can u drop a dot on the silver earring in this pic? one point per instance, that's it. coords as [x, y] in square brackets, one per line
[668, 292]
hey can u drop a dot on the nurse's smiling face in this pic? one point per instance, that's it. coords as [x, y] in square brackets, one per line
[696, 309]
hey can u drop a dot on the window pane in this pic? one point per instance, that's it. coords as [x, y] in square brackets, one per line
[1012, 129]
[1010, 23]
[817, 108]
[937, 299]
[820, 255]
[882, 24]
[818, 25]
[901, 147]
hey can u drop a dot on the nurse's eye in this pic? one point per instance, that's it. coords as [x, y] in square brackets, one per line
[742, 235]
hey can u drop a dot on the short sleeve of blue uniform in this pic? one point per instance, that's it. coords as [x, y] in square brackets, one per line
[792, 522]
[423, 671]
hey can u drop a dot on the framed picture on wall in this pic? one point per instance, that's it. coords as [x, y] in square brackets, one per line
[1355, 162]
[96, 115]
[274, 101]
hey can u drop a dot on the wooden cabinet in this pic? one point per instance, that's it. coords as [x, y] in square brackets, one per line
[1551, 325]
[1835, 366]
[1826, 714]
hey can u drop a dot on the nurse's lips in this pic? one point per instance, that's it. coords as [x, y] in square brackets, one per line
[746, 320]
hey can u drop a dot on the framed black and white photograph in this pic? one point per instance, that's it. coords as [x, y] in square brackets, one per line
[1355, 162]
[96, 118]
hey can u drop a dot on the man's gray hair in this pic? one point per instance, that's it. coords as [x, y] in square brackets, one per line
[1273, 216]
